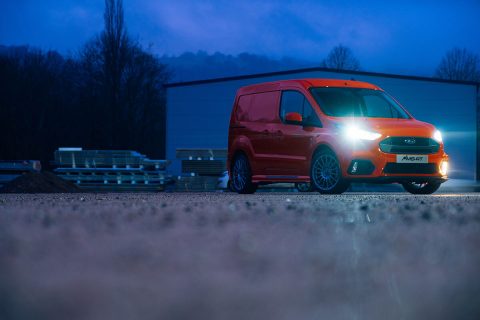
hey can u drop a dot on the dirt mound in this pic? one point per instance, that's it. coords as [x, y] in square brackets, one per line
[39, 182]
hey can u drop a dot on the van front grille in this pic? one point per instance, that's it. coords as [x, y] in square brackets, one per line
[409, 145]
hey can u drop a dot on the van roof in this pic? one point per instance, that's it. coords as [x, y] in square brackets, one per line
[306, 84]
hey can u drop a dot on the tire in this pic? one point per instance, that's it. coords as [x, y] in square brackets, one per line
[304, 186]
[421, 188]
[326, 175]
[241, 180]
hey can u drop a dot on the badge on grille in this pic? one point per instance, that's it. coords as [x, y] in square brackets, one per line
[410, 141]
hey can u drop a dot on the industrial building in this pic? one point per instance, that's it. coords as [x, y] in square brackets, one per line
[198, 112]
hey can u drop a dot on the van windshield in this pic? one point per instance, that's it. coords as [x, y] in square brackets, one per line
[357, 102]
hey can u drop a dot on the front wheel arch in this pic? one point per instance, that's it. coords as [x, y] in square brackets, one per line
[322, 147]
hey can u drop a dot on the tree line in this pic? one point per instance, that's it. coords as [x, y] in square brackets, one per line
[457, 64]
[110, 94]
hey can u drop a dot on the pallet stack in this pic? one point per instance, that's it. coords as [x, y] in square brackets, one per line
[111, 170]
[201, 169]
[11, 169]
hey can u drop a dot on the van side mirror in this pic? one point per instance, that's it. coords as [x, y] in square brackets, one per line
[293, 118]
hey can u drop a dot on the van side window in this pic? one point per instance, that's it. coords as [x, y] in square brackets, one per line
[309, 115]
[243, 107]
[294, 101]
[264, 107]
[258, 107]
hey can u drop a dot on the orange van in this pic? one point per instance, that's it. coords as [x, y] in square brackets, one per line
[330, 133]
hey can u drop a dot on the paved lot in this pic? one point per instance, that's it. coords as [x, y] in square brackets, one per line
[226, 256]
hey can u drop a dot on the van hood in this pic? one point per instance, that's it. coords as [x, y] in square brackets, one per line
[392, 127]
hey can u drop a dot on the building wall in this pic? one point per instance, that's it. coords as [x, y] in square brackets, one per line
[198, 114]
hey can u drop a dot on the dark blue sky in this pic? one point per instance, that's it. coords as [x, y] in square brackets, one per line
[387, 36]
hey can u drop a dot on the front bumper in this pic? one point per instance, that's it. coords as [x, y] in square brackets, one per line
[373, 165]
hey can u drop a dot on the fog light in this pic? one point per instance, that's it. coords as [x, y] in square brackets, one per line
[354, 167]
[444, 168]
[360, 167]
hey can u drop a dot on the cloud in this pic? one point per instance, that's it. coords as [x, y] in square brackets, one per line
[381, 34]
[274, 28]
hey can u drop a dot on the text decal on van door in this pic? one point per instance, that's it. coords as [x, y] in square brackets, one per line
[411, 158]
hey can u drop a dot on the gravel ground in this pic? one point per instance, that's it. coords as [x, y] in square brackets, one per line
[227, 256]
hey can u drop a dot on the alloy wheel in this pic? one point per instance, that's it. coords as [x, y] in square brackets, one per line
[326, 171]
[240, 172]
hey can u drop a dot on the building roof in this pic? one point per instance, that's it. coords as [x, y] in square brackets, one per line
[294, 71]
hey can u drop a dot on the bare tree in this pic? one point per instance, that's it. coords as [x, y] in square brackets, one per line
[341, 58]
[459, 64]
[125, 81]
[109, 96]
[115, 46]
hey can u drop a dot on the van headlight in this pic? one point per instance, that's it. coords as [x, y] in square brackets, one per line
[437, 136]
[354, 133]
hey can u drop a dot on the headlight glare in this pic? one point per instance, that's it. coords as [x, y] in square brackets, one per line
[437, 135]
[354, 133]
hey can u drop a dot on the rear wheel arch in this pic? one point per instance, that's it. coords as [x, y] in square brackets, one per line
[241, 144]
[241, 174]
[236, 153]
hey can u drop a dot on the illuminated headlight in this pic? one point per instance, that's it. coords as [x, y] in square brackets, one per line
[437, 135]
[444, 168]
[354, 133]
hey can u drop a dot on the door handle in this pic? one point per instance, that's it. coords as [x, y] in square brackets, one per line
[266, 132]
